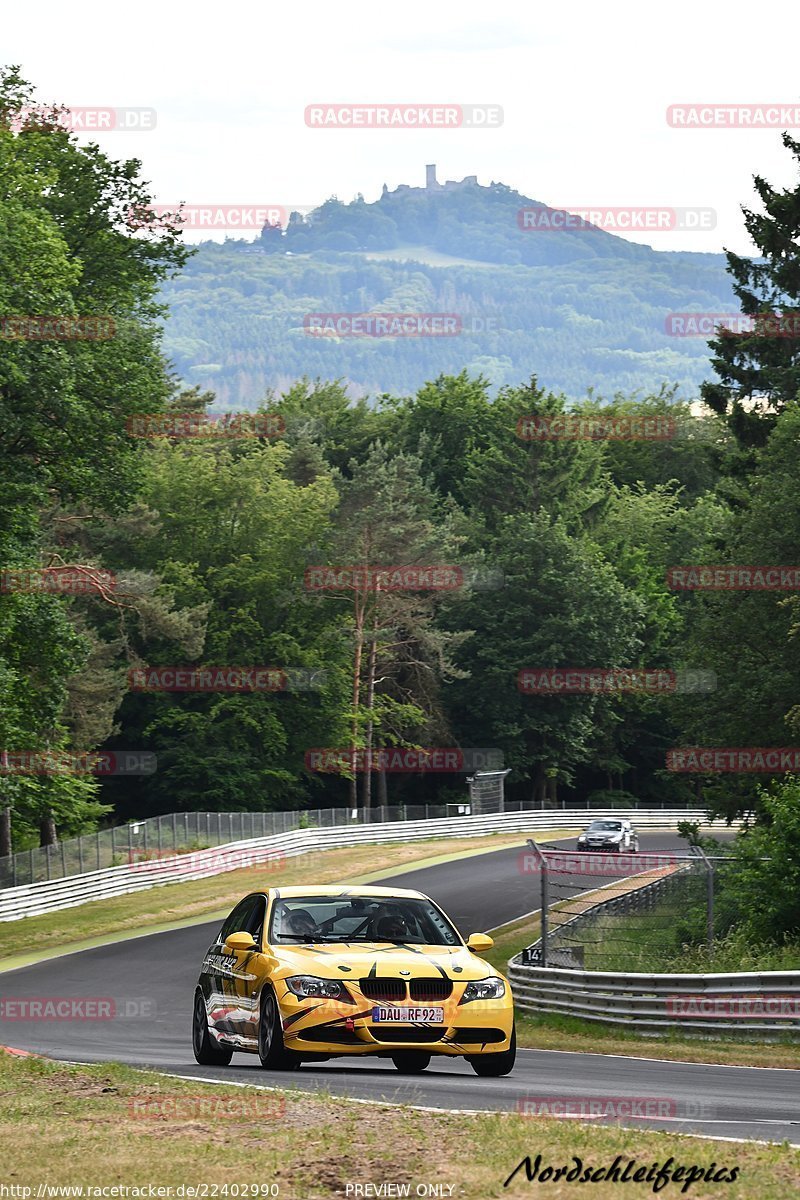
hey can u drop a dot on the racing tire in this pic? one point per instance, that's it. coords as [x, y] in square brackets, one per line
[206, 1051]
[411, 1063]
[495, 1064]
[271, 1051]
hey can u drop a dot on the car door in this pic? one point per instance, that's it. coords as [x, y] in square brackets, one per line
[217, 968]
[241, 985]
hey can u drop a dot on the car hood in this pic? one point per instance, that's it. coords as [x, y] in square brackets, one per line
[341, 960]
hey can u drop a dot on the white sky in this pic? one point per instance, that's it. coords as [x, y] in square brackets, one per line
[584, 88]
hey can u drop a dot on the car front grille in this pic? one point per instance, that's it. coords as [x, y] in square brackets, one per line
[383, 989]
[395, 1033]
[430, 989]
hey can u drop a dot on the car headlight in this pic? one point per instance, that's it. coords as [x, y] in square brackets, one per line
[484, 989]
[582, 838]
[311, 985]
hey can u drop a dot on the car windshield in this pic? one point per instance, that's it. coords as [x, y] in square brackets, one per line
[314, 919]
[605, 827]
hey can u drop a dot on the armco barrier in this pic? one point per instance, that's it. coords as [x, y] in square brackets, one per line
[763, 1005]
[52, 895]
[178, 832]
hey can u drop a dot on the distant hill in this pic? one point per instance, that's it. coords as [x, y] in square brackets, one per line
[578, 308]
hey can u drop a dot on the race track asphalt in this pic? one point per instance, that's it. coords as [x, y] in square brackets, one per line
[152, 979]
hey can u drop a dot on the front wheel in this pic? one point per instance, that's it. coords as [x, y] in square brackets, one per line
[206, 1051]
[411, 1063]
[271, 1050]
[496, 1064]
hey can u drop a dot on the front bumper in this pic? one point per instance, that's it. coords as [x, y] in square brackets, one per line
[315, 1027]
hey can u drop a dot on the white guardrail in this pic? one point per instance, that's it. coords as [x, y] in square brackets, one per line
[763, 1005]
[53, 895]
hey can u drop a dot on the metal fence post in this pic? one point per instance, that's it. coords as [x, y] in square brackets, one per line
[545, 898]
[80, 854]
[174, 831]
[709, 898]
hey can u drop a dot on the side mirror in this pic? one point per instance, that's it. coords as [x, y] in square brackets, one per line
[479, 942]
[241, 942]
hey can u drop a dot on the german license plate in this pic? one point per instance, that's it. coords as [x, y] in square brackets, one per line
[420, 1012]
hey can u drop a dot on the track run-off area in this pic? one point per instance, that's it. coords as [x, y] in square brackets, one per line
[152, 978]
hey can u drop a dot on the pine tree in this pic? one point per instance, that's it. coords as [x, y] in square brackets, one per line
[759, 370]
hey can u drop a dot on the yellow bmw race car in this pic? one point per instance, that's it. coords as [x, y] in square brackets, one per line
[304, 974]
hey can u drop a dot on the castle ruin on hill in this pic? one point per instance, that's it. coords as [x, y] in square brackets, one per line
[433, 185]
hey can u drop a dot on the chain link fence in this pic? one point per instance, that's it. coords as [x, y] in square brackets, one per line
[641, 912]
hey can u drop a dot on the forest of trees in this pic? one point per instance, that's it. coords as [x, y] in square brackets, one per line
[579, 309]
[563, 547]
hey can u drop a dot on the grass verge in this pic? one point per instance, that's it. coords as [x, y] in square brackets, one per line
[110, 1125]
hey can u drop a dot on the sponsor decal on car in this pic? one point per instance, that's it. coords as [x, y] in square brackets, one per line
[219, 964]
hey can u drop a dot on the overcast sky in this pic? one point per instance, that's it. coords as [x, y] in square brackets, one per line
[584, 89]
